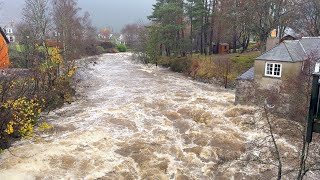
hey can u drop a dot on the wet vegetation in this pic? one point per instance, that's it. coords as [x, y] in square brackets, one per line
[40, 76]
[217, 69]
[139, 122]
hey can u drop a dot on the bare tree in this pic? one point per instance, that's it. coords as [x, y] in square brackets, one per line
[267, 15]
[89, 35]
[131, 34]
[68, 26]
[36, 16]
[308, 17]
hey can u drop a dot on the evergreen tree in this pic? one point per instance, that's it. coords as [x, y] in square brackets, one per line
[168, 16]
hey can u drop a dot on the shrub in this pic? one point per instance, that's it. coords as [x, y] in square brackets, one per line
[107, 45]
[164, 61]
[140, 57]
[22, 116]
[122, 48]
[205, 69]
[17, 57]
[22, 91]
[100, 49]
[180, 64]
[113, 50]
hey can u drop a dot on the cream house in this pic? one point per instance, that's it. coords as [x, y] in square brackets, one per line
[284, 60]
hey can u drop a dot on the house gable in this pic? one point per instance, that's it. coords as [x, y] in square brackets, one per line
[2, 33]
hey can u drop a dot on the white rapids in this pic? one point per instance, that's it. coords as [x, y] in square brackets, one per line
[131, 121]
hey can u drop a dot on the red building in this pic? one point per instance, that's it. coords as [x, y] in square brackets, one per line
[4, 56]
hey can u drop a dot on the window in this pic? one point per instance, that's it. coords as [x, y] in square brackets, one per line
[273, 69]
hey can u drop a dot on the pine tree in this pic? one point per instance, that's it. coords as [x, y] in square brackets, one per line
[168, 16]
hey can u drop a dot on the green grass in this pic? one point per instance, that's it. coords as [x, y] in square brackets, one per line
[213, 66]
[22, 48]
[245, 60]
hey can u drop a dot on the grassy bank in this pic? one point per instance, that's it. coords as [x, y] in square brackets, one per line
[219, 69]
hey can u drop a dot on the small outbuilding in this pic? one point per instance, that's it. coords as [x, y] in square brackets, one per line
[224, 48]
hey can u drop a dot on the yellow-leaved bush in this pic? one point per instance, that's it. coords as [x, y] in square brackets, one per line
[55, 56]
[22, 116]
[54, 61]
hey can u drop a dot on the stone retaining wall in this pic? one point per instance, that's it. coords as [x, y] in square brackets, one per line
[245, 92]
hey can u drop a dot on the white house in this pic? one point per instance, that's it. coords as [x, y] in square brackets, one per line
[9, 33]
[122, 39]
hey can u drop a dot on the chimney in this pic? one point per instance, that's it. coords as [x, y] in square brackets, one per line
[273, 40]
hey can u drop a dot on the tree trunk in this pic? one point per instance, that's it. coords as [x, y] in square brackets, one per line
[211, 42]
[234, 40]
[191, 32]
[263, 42]
[201, 41]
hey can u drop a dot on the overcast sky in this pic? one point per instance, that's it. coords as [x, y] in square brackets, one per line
[104, 13]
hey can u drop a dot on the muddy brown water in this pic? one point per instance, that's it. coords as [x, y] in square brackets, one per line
[137, 122]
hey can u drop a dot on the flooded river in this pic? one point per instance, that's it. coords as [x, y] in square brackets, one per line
[131, 121]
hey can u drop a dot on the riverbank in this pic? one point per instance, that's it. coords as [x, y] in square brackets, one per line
[219, 69]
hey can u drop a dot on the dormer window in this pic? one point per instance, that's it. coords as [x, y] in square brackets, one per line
[273, 69]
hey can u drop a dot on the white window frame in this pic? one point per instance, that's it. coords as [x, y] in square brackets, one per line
[273, 70]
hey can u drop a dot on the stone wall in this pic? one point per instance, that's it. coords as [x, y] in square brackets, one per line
[245, 92]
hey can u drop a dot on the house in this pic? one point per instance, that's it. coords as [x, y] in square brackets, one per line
[121, 39]
[9, 33]
[283, 61]
[4, 56]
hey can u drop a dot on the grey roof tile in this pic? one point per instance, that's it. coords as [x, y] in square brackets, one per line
[292, 50]
[248, 75]
[311, 44]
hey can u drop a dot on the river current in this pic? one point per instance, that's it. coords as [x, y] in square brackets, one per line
[132, 121]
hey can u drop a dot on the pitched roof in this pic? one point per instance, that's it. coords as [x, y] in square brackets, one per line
[4, 35]
[248, 75]
[311, 44]
[292, 50]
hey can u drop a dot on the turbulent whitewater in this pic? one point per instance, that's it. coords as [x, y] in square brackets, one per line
[132, 121]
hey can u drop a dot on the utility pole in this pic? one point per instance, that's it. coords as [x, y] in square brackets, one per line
[313, 124]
